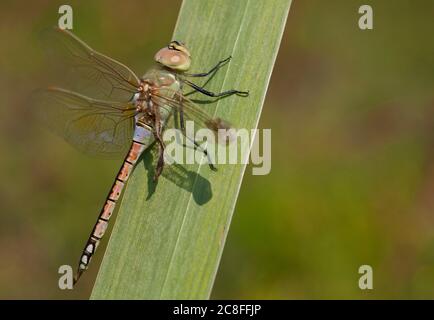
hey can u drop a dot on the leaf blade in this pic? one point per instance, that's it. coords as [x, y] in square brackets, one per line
[168, 246]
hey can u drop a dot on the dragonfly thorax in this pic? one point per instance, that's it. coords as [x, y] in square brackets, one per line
[159, 78]
[159, 87]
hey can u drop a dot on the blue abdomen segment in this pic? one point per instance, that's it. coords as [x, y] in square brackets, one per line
[143, 135]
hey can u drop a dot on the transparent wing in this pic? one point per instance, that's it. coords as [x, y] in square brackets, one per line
[85, 70]
[191, 111]
[94, 127]
[185, 109]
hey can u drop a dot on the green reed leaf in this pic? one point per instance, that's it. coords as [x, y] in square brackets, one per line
[168, 238]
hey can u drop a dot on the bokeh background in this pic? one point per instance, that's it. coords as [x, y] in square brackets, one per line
[352, 180]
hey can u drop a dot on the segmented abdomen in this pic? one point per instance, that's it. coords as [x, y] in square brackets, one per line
[140, 143]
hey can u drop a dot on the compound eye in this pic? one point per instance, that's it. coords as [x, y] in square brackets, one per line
[173, 59]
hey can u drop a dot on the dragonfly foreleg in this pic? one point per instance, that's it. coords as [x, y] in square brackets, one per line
[213, 94]
[215, 68]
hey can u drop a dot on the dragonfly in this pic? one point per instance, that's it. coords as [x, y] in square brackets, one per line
[132, 116]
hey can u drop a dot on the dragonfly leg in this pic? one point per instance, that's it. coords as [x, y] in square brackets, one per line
[216, 95]
[196, 145]
[215, 68]
[160, 162]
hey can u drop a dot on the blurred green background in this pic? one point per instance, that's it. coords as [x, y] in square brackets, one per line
[352, 180]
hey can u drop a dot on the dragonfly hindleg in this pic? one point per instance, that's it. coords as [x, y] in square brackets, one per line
[160, 162]
[197, 146]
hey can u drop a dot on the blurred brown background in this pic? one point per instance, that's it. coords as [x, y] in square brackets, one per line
[352, 180]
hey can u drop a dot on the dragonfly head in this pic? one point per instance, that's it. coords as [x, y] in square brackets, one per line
[175, 56]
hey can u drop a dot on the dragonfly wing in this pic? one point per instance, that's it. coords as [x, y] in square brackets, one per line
[86, 70]
[94, 127]
[221, 128]
[192, 112]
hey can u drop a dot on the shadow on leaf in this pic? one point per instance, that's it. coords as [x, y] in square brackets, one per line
[188, 180]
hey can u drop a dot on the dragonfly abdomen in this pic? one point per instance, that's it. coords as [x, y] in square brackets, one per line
[142, 139]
